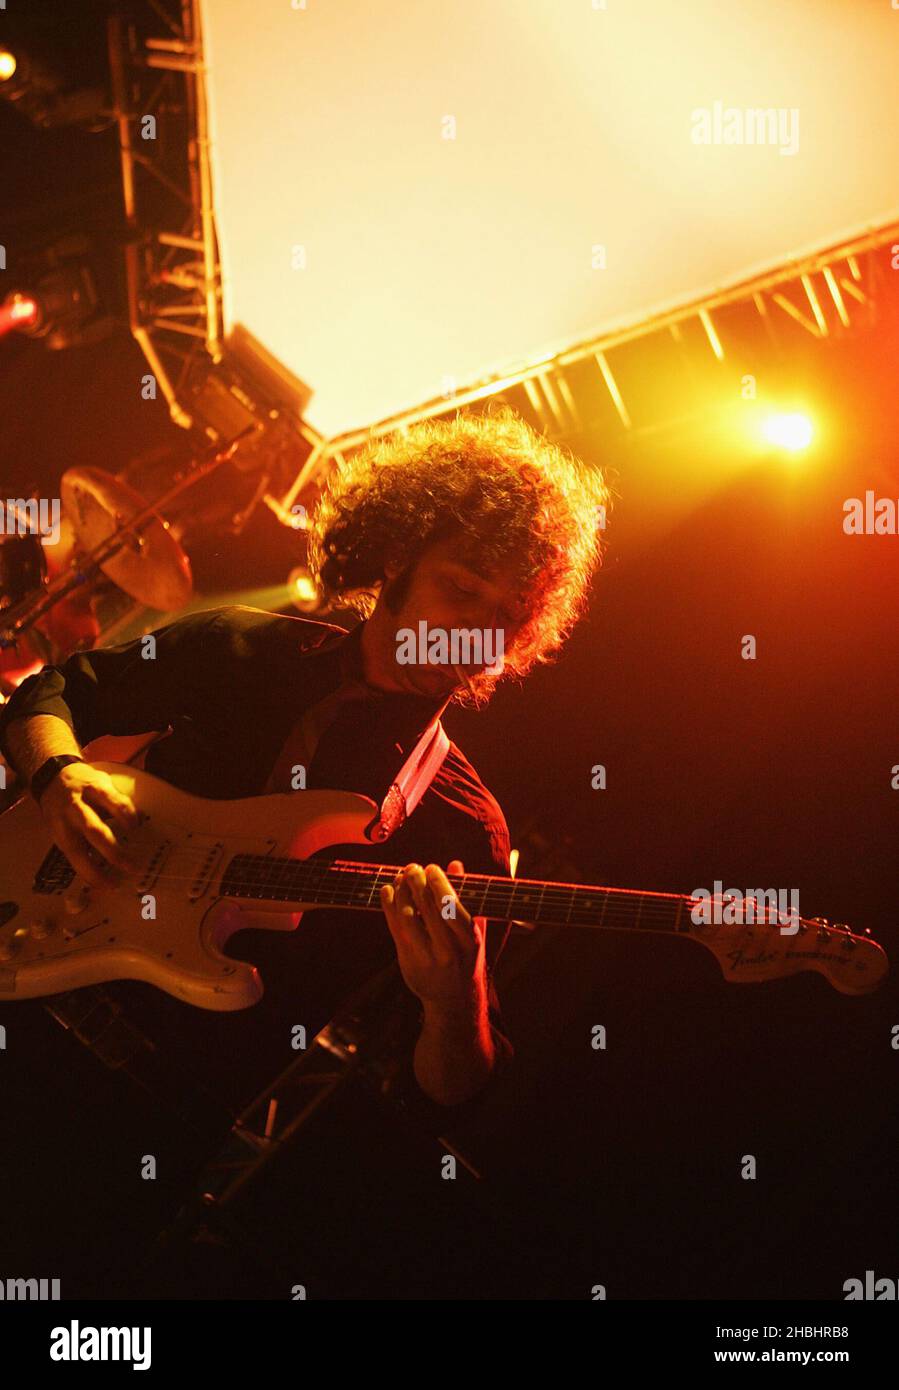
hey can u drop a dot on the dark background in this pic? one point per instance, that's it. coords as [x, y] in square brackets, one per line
[620, 1167]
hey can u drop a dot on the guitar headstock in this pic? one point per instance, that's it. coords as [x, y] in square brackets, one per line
[767, 950]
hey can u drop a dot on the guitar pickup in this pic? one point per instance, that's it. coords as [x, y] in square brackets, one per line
[208, 866]
[157, 859]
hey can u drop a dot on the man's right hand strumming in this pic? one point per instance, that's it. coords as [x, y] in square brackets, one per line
[90, 821]
[87, 817]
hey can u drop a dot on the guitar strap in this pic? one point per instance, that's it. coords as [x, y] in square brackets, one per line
[412, 781]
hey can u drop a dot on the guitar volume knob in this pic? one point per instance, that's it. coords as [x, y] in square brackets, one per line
[77, 899]
[13, 944]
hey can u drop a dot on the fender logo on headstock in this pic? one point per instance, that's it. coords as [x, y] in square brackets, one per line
[739, 957]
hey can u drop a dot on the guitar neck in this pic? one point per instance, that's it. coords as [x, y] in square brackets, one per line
[344, 883]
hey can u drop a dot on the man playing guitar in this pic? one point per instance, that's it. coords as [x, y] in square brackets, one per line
[476, 525]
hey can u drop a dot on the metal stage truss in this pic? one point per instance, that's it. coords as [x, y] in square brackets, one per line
[175, 291]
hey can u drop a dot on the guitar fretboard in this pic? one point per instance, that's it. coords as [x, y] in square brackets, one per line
[344, 883]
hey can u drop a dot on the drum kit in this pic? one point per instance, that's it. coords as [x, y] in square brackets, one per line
[114, 559]
[115, 555]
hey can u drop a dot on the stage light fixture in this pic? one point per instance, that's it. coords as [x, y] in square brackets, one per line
[45, 96]
[789, 430]
[56, 306]
[18, 311]
[305, 593]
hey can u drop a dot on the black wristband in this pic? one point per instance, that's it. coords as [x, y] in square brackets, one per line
[48, 770]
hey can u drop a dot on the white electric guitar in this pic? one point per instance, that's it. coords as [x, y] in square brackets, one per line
[201, 862]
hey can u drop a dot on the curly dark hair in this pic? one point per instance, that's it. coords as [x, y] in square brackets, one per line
[514, 499]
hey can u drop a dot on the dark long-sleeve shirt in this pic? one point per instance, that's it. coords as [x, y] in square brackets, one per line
[230, 685]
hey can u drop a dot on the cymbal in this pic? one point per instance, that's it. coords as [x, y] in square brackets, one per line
[150, 566]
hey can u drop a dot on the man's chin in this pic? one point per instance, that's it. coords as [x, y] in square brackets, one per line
[428, 680]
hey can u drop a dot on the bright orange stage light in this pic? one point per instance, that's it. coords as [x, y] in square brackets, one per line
[788, 430]
[304, 591]
[18, 311]
[7, 64]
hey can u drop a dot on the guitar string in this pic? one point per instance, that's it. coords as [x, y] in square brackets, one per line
[618, 905]
[300, 869]
[341, 894]
[658, 906]
[658, 902]
[325, 874]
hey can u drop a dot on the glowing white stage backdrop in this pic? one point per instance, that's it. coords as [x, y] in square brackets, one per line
[415, 193]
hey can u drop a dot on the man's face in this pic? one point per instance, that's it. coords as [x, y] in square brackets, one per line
[447, 593]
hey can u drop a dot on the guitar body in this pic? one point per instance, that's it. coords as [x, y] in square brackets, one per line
[168, 923]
